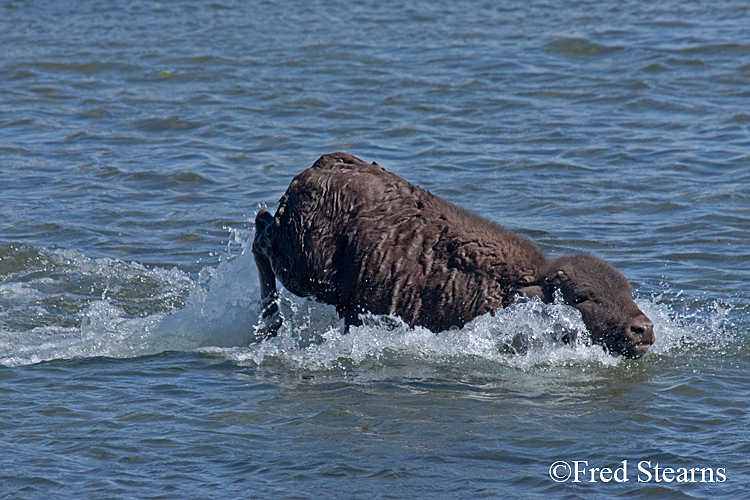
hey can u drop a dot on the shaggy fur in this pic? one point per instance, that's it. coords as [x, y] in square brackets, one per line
[353, 235]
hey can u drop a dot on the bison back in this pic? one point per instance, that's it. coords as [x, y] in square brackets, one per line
[365, 240]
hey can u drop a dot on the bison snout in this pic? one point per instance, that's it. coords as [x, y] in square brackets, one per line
[640, 333]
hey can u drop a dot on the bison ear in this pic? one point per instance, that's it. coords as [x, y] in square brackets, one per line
[530, 291]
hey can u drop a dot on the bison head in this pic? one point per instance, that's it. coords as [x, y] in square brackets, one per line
[603, 296]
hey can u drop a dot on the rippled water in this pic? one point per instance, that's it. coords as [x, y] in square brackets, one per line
[138, 140]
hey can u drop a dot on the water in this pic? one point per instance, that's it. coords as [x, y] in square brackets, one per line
[138, 140]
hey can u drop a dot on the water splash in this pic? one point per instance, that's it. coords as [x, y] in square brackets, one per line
[60, 304]
[321, 345]
[689, 327]
[63, 305]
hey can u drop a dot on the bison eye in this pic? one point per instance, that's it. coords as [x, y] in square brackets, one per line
[580, 299]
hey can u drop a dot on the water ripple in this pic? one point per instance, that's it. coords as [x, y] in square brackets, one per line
[135, 135]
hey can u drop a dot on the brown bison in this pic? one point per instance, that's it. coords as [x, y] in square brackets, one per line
[363, 239]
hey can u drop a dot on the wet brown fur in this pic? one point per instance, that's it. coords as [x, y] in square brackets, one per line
[361, 238]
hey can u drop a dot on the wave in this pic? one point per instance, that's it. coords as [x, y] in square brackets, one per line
[60, 304]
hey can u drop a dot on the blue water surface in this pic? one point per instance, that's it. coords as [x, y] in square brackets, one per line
[139, 139]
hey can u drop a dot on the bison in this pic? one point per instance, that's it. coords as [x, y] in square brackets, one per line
[356, 236]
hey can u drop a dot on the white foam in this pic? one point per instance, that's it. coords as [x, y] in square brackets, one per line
[220, 315]
[104, 288]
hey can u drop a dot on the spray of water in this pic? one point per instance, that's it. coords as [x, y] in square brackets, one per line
[62, 305]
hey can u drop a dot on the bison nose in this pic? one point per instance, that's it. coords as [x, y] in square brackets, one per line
[642, 331]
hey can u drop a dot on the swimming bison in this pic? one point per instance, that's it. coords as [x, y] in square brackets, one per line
[363, 239]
